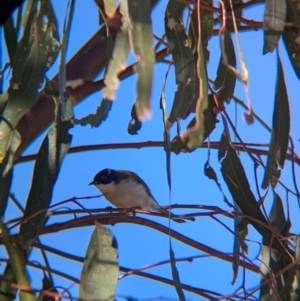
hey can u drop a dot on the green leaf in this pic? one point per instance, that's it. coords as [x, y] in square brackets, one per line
[51, 34]
[237, 12]
[6, 169]
[225, 80]
[7, 293]
[100, 269]
[28, 9]
[64, 46]
[277, 216]
[196, 134]
[291, 35]
[184, 62]
[175, 274]
[110, 7]
[119, 55]
[31, 60]
[101, 10]
[236, 180]
[179, 143]
[140, 34]
[272, 260]
[17, 262]
[96, 119]
[238, 242]
[207, 22]
[294, 274]
[280, 131]
[49, 159]
[274, 21]
[10, 38]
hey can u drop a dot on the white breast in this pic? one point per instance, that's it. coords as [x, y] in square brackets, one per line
[128, 195]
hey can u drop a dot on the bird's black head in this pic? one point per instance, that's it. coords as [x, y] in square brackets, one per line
[105, 176]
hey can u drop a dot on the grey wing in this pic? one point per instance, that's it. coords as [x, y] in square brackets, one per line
[125, 174]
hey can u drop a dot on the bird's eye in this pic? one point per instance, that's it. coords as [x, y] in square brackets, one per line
[103, 178]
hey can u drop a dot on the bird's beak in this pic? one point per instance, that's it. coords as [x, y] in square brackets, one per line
[92, 183]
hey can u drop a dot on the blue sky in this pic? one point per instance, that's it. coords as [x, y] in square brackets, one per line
[140, 246]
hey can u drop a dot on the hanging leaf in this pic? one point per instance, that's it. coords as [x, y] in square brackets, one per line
[179, 143]
[49, 159]
[277, 216]
[17, 260]
[29, 65]
[274, 20]
[196, 134]
[10, 38]
[236, 180]
[238, 242]
[101, 11]
[184, 62]
[96, 119]
[119, 55]
[6, 169]
[225, 80]
[273, 261]
[175, 275]
[7, 293]
[291, 35]
[237, 12]
[280, 131]
[100, 269]
[141, 38]
[207, 22]
[110, 7]
[294, 274]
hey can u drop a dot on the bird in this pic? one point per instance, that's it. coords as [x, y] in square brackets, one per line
[125, 189]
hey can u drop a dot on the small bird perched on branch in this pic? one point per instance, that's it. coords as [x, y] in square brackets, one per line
[125, 189]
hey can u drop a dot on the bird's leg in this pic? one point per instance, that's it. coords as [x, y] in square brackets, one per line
[109, 209]
[132, 210]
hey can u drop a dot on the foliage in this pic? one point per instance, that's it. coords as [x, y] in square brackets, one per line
[31, 103]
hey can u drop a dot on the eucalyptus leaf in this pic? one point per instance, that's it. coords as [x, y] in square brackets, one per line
[119, 55]
[96, 119]
[48, 162]
[100, 270]
[196, 134]
[33, 56]
[184, 62]
[272, 261]
[207, 22]
[225, 80]
[7, 293]
[110, 7]
[179, 143]
[237, 182]
[175, 274]
[140, 33]
[10, 38]
[6, 169]
[238, 242]
[280, 131]
[291, 35]
[274, 20]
